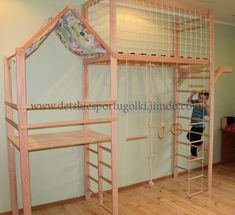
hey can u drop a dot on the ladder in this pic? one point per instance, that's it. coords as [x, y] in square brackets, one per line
[190, 79]
[98, 174]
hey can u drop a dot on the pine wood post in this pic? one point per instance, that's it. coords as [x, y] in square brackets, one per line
[23, 140]
[113, 64]
[86, 117]
[10, 132]
[176, 95]
[212, 97]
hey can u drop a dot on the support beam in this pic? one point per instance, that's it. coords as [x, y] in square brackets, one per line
[23, 140]
[113, 66]
[211, 103]
[10, 132]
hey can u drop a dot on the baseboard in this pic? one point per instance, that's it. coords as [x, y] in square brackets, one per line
[67, 201]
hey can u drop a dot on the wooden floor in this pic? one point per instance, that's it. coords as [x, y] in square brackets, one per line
[165, 197]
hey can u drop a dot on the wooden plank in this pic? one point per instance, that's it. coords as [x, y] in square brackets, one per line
[165, 59]
[12, 105]
[23, 135]
[211, 102]
[68, 123]
[136, 138]
[62, 139]
[69, 105]
[100, 59]
[12, 123]
[10, 146]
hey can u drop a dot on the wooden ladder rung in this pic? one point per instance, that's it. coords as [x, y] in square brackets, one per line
[106, 180]
[195, 159]
[105, 164]
[180, 167]
[189, 91]
[198, 123]
[195, 177]
[190, 143]
[12, 123]
[107, 194]
[93, 193]
[91, 150]
[194, 194]
[106, 149]
[193, 77]
[185, 169]
[136, 138]
[91, 164]
[183, 156]
[193, 132]
[190, 118]
[196, 85]
[106, 208]
[93, 179]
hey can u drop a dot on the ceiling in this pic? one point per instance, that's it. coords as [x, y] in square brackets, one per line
[223, 9]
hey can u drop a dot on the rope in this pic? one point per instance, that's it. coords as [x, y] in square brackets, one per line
[161, 130]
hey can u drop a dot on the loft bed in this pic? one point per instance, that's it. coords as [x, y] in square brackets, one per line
[164, 34]
[80, 39]
[90, 42]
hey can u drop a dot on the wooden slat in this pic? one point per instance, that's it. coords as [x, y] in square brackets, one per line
[194, 77]
[93, 151]
[107, 208]
[195, 177]
[12, 105]
[11, 122]
[98, 59]
[63, 139]
[68, 123]
[106, 180]
[190, 118]
[107, 195]
[194, 194]
[93, 165]
[189, 91]
[136, 138]
[165, 59]
[106, 149]
[105, 164]
[196, 159]
[93, 179]
[191, 70]
[193, 132]
[59, 106]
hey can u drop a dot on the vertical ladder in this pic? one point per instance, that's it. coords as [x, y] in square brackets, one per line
[193, 80]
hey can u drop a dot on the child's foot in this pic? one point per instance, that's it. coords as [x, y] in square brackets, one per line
[192, 157]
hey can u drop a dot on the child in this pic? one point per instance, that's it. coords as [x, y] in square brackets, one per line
[200, 109]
